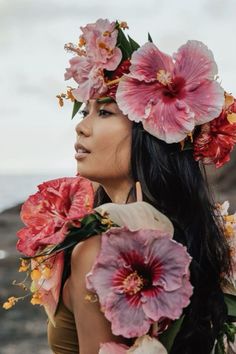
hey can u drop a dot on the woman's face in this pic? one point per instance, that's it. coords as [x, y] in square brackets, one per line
[103, 144]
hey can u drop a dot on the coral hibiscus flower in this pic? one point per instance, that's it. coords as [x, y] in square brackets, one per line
[171, 95]
[48, 214]
[140, 277]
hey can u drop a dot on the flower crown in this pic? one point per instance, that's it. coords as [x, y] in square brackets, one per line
[177, 98]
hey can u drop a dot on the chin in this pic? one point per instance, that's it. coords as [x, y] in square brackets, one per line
[86, 174]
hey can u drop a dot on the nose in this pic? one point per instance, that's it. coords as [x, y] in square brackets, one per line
[83, 128]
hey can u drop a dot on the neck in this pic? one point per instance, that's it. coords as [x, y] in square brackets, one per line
[118, 191]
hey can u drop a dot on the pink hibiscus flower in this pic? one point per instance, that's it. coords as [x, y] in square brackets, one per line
[50, 212]
[171, 95]
[99, 40]
[217, 138]
[140, 277]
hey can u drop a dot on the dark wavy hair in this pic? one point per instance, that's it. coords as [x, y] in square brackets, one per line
[174, 183]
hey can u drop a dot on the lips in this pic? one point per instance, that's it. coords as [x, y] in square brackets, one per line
[81, 148]
[81, 151]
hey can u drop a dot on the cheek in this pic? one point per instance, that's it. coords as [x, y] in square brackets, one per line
[110, 158]
[113, 156]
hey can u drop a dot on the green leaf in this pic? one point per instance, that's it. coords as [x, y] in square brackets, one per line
[219, 348]
[134, 45]
[124, 45]
[230, 301]
[167, 337]
[105, 100]
[230, 331]
[150, 38]
[76, 108]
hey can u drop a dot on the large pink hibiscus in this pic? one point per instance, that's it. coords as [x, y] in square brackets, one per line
[140, 277]
[49, 213]
[171, 95]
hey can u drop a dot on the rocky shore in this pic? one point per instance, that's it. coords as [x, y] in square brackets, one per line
[23, 328]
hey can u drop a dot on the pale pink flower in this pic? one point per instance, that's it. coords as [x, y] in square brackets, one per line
[147, 344]
[90, 78]
[171, 95]
[49, 213]
[144, 344]
[101, 54]
[140, 277]
[113, 348]
[100, 43]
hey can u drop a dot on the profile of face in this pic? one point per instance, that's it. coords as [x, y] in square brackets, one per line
[103, 143]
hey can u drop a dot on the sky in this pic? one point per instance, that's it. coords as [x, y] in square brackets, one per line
[36, 135]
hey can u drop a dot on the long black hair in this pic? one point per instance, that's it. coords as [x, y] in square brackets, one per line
[174, 183]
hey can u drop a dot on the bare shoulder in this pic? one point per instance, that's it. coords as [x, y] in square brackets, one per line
[85, 253]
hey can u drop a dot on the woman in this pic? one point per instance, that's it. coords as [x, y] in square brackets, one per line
[172, 182]
[151, 123]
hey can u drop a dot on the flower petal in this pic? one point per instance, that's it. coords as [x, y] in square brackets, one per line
[175, 263]
[113, 348]
[114, 61]
[168, 304]
[126, 316]
[133, 96]
[135, 216]
[147, 61]
[206, 101]
[195, 63]
[169, 121]
[147, 345]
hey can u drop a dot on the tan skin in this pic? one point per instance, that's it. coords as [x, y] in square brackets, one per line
[106, 133]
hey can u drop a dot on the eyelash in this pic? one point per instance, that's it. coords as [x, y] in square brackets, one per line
[102, 112]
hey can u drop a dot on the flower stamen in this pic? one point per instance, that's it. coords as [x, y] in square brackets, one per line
[124, 25]
[82, 41]
[164, 77]
[133, 283]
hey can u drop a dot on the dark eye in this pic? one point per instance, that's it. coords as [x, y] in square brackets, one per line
[104, 113]
[83, 113]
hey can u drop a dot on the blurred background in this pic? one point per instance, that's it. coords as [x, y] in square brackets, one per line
[37, 136]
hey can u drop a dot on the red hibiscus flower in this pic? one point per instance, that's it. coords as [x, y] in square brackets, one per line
[49, 213]
[122, 69]
[218, 137]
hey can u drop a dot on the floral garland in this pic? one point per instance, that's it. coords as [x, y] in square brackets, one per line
[145, 273]
[176, 98]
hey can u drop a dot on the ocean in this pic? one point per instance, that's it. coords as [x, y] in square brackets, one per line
[15, 189]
